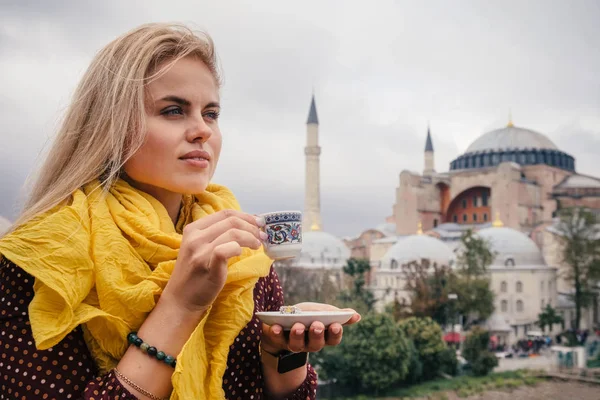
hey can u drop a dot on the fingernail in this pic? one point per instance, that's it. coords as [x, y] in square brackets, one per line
[318, 331]
[260, 221]
[276, 330]
[335, 330]
[263, 235]
[300, 331]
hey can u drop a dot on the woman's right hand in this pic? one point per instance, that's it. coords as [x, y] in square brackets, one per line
[201, 268]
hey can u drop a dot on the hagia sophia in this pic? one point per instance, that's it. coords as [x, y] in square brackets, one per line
[507, 187]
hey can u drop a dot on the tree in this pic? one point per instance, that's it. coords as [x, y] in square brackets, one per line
[579, 234]
[301, 284]
[428, 339]
[548, 317]
[429, 286]
[475, 255]
[475, 351]
[475, 298]
[373, 357]
[357, 296]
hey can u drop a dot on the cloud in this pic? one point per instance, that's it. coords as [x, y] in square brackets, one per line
[380, 74]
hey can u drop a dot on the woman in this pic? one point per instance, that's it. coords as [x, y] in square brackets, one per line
[130, 275]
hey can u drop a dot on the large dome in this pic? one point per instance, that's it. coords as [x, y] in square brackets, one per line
[321, 249]
[511, 244]
[512, 144]
[415, 248]
[511, 138]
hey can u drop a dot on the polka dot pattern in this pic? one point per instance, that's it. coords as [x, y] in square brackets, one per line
[67, 371]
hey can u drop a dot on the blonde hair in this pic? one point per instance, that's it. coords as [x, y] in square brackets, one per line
[104, 124]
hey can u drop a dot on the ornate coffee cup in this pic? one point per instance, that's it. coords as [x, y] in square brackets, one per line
[284, 231]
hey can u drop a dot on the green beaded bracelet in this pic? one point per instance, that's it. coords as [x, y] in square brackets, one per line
[135, 340]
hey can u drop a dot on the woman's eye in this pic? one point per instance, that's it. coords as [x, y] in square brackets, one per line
[172, 111]
[214, 115]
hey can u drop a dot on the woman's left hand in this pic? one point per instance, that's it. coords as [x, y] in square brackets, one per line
[273, 339]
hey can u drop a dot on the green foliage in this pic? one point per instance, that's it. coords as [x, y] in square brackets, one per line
[579, 233]
[428, 339]
[548, 317]
[475, 255]
[357, 297]
[475, 351]
[374, 356]
[475, 298]
[429, 285]
[415, 366]
[449, 362]
[465, 384]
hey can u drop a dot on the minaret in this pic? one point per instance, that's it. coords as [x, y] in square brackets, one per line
[312, 194]
[429, 162]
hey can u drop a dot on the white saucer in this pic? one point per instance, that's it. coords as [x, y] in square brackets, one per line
[286, 321]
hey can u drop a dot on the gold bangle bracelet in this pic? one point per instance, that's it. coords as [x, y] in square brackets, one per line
[137, 387]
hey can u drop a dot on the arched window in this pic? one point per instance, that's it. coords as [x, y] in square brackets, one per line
[504, 306]
[394, 264]
[542, 286]
[509, 262]
[519, 306]
[503, 287]
[519, 287]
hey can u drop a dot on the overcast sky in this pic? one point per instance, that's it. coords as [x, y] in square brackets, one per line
[380, 71]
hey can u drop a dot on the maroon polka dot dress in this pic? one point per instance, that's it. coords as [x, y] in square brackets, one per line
[67, 371]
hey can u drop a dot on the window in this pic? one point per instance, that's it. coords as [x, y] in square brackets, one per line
[464, 217]
[484, 199]
[394, 264]
[519, 306]
[455, 218]
[435, 223]
[519, 287]
[542, 286]
[509, 262]
[485, 216]
[474, 201]
[504, 306]
[474, 217]
[464, 203]
[550, 287]
[543, 303]
[503, 287]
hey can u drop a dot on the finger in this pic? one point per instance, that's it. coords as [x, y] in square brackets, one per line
[210, 233]
[296, 341]
[241, 237]
[354, 319]
[222, 253]
[334, 334]
[212, 219]
[273, 338]
[316, 337]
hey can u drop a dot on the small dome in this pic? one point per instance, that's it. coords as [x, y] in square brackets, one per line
[417, 247]
[4, 224]
[511, 137]
[510, 244]
[322, 249]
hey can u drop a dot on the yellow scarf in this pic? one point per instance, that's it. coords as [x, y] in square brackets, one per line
[102, 262]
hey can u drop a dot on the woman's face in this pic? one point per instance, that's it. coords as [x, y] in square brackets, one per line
[183, 141]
